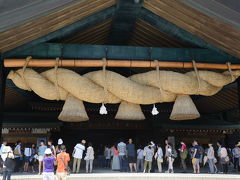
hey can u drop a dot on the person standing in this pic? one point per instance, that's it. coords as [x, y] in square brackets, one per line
[220, 168]
[170, 157]
[32, 159]
[52, 147]
[17, 156]
[77, 156]
[131, 154]
[89, 158]
[62, 163]
[224, 159]
[122, 154]
[148, 153]
[159, 157]
[7, 167]
[183, 155]
[4, 143]
[48, 165]
[140, 159]
[210, 157]
[41, 152]
[115, 160]
[196, 157]
[107, 154]
[27, 155]
[236, 156]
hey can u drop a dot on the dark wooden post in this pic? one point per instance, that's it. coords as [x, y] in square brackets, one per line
[2, 92]
[238, 91]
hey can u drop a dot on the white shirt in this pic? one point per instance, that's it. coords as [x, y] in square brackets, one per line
[79, 148]
[90, 153]
[210, 153]
[223, 152]
[140, 154]
[159, 153]
[27, 152]
[1, 149]
[108, 153]
[122, 148]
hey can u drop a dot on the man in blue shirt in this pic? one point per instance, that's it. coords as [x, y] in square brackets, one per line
[131, 153]
[196, 157]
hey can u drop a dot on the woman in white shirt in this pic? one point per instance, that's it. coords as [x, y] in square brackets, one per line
[27, 155]
[89, 158]
[170, 157]
[224, 159]
[159, 157]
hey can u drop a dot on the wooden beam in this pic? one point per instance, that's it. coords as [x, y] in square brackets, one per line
[211, 30]
[78, 51]
[114, 63]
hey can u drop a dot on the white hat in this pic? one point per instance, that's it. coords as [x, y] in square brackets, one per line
[83, 141]
[48, 151]
[60, 141]
[7, 149]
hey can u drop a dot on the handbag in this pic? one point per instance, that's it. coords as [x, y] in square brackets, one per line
[226, 159]
[15, 152]
[194, 160]
[160, 160]
[66, 168]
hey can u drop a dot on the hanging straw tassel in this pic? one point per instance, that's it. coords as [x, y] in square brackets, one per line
[184, 108]
[103, 109]
[129, 111]
[154, 110]
[73, 110]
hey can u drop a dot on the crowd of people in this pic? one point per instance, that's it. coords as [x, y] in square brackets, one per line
[48, 159]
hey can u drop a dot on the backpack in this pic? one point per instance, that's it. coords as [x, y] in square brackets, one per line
[9, 163]
[184, 154]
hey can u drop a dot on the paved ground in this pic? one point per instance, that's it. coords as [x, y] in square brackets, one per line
[136, 176]
[105, 174]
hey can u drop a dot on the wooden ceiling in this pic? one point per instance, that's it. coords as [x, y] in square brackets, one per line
[220, 102]
[34, 29]
[211, 30]
[144, 34]
[97, 34]
[14, 100]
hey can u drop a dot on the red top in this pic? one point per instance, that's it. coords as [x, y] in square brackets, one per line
[115, 151]
[183, 147]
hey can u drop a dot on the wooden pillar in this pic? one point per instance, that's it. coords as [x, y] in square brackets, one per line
[238, 91]
[2, 92]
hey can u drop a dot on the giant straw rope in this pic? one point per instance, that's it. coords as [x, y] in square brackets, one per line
[105, 86]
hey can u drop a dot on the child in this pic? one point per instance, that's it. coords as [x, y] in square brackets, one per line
[48, 165]
[41, 149]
